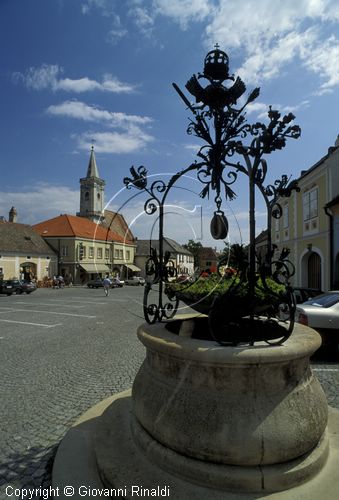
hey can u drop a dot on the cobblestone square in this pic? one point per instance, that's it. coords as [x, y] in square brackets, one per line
[62, 351]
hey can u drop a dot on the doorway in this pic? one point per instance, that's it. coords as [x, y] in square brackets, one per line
[314, 271]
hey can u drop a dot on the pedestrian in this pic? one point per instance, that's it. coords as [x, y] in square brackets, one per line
[107, 283]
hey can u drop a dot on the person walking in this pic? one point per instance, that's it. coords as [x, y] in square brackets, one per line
[107, 283]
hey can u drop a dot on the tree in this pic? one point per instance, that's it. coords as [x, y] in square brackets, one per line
[236, 255]
[194, 247]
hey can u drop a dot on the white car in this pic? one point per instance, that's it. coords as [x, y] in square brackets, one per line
[135, 281]
[322, 314]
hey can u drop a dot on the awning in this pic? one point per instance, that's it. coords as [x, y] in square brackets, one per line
[132, 267]
[95, 268]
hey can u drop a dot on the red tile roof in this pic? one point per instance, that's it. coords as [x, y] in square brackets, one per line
[71, 225]
[116, 222]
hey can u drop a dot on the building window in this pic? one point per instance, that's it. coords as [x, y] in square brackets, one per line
[285, 216]
[277, 224]
[128, 255]
[91, 253]
[310, 204]
[106, 253]
[121, 254]
[99, 253]
[116, 253]
[64, 251]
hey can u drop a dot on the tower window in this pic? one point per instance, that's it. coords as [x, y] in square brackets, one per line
[98, 196]
[87, 195]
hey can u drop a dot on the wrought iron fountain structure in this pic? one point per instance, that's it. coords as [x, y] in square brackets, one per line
[231, 146]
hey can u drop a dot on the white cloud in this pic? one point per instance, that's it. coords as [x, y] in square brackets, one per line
[128, 137]
[265, 62]
[40, 202]
[39, 78]
[274, 34]
[183, 11]
[192, 147]
[47, 76]
[133, 139]
[325, 62]
[143, 20]
[83, 111]
[106, 6]
[117, 32]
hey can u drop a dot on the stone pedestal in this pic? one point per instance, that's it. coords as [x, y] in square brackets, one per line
[206, 421]
[256, 405]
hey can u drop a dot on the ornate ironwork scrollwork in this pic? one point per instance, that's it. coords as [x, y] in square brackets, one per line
[232, 146]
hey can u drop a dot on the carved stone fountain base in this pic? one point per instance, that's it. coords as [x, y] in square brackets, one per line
[210, 422]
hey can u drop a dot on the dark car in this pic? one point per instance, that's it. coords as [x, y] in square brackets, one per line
[97, 283]
[303, 294]
[6, 289]
[23, 286]
[28, 286]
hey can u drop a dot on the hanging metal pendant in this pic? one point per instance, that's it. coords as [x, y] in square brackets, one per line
[219, 226]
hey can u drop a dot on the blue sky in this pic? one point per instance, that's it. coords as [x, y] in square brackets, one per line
[77, 71]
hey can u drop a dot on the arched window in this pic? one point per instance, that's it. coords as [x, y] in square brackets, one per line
[86, 195]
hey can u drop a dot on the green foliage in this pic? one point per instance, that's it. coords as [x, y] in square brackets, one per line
[194, 247]
[214, 286]
[235, 255]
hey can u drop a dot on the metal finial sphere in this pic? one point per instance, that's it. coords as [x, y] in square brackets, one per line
[216, 65]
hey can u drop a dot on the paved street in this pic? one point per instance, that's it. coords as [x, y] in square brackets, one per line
[62, 351]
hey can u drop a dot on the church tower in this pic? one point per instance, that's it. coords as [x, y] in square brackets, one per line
[92, 191]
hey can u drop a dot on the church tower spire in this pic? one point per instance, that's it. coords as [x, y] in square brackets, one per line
[92, 170]
[92, 191]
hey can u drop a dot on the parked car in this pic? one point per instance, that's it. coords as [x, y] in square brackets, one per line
[322, 314]
[27, 286]
[6, 289]
[21, 286]
[97, 283]
[117, 283]
[303, 294]
[135, 281]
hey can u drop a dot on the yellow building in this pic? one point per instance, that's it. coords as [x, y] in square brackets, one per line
[305, 224]
[23, 253]
[85, 249]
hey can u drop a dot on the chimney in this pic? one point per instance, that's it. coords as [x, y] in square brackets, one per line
[12, 215]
